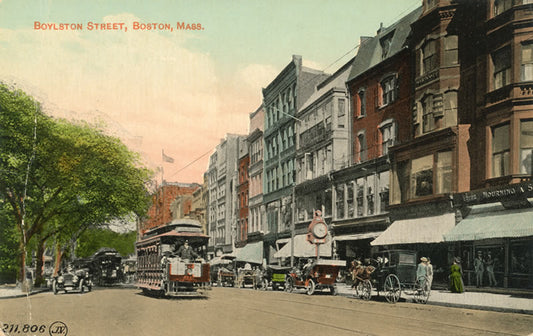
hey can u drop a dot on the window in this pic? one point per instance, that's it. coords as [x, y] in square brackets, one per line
[339, 191]
[428, 121]
[502, 67]
[422, 176]
[451, 51]
[361, 148]
[501, 6]
[444, 172]
[385, 45]
[388, 90]
[500, 150]
[350, 201]
[526, 146]
[342, 113]
[387, 137]
[370, 197]
[361, 103]
[527, 62]
[383, 185]
[360, 197]
[429, 56]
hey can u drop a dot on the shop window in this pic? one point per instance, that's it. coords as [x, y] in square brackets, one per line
[422, 176]
[444, 172]
[451, 50]
[521, 258]
[339, 202]
[500, 150]
[526, 147]
[527, 62]
[429, 56]
[501, 61]
[342, 113]
[388, 90]
[501, 6]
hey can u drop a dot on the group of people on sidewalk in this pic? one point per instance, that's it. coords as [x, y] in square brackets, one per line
[481, 265]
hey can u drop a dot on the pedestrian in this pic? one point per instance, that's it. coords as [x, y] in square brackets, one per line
[478, 269]
[456, 277]
[429, 273]
[489, 267]
[421, 271]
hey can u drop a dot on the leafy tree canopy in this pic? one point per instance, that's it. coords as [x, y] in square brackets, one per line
[94, 239]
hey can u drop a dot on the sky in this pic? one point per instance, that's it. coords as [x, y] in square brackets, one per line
[178, 91]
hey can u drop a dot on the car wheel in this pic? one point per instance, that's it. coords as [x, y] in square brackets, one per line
[311, 287]
[54, 287]
[82, 284]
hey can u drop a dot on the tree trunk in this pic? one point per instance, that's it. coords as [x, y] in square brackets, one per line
[58, 259]
[25, 285]
[39, 279]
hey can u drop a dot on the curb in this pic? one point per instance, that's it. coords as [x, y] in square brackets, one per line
[25, 294]
[459, 305]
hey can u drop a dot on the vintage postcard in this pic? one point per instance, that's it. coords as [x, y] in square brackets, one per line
[233, 167]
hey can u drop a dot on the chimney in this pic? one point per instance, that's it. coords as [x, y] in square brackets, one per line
[380, 28]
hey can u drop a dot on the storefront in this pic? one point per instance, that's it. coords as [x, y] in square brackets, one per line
[502, 238]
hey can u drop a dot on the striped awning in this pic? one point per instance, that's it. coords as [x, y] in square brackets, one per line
[357, 236]
[303, 248]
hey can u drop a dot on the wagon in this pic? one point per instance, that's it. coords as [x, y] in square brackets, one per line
[395, 272]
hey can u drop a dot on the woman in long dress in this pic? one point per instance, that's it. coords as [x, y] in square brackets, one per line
[456, 281]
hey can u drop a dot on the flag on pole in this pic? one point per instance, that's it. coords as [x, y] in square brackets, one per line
[167, 158]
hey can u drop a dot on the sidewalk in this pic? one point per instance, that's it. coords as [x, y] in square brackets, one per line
[471, 300]
[12, 291]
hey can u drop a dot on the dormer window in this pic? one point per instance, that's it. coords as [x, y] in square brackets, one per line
[386, 42]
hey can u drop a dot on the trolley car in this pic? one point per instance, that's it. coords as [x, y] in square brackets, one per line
[107, 267]
[161, 270]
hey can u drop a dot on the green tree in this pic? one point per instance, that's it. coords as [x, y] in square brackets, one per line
[94, 239]
[59, 178]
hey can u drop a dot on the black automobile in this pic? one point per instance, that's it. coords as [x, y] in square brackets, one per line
[72, 280]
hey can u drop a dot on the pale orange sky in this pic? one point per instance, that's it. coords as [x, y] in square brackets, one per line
[180, 92]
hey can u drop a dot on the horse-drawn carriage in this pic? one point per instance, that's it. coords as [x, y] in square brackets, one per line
[393, 271]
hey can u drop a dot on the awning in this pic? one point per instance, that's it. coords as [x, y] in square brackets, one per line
[358, 236]
[252, 253]
[417, 230]
[303, 248]
[493, 221]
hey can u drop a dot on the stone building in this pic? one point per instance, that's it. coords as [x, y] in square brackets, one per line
[282, 98]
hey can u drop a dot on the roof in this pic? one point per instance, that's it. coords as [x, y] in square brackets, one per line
[337, 80]
[493, 221]
[369, 54]
[417, 230]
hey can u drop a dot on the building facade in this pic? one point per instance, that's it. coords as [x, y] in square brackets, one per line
[222, 181]
[243, 187]
[282, 98]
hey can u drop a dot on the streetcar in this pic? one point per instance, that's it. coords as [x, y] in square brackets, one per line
[163, 269]
[107, 266]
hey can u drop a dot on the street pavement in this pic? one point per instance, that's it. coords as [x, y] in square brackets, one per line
[472, 300]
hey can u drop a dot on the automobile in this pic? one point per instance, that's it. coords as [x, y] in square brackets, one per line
[277, 276]
[72, 280]
[322, 275]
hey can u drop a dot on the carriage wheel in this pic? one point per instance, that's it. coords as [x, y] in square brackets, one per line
[311, 287]
[422, 291]
[366, 290]
[392, 288]
[289, 286]
[264, 284]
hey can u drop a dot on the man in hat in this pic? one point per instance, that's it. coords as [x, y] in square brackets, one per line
[478, 269]
[186, 252]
